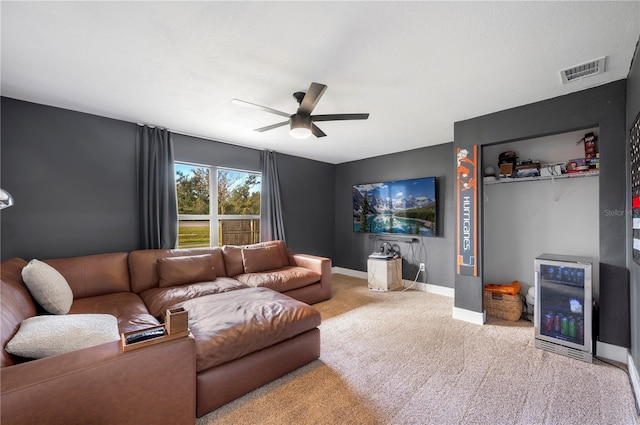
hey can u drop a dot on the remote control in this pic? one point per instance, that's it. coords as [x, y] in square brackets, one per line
[145, 335]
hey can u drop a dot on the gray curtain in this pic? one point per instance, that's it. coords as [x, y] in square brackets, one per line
[271, 214]
[157, 205]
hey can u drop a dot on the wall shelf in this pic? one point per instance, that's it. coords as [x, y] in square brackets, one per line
[530, 179]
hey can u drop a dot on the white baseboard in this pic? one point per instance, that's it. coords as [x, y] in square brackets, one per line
[635, 379]
[419, 286]
[469, 316]
[612, 352]
[349, 272]
[430, 288]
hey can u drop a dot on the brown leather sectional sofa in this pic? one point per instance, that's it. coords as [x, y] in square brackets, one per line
[250, 323]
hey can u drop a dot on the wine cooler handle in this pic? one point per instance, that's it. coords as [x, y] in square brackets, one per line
[536, 285]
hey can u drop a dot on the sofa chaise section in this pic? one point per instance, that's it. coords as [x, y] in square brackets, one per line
[246, 338]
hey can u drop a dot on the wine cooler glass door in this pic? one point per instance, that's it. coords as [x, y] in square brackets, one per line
[564, 297]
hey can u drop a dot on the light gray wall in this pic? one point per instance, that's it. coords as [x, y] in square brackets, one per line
[352, 249]
[550, 216]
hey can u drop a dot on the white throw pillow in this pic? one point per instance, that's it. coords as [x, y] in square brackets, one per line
[44, 336]
[48, 287]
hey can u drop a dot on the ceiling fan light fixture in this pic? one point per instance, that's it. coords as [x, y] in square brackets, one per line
[300, 126]
[300, 132]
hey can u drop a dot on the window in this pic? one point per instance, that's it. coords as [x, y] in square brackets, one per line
[217, 206]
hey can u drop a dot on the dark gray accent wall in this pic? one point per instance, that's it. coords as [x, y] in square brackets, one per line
[196, 150]
[72, 176]
[633, 110]
[308, 198]
[602, 106]
[352, 249]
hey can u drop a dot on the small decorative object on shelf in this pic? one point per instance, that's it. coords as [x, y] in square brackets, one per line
[553, 169]
[506, 170]
[507, 162]
[590, 145]
[489, 171]
[594, 163]
[577, 165]
[528, 169]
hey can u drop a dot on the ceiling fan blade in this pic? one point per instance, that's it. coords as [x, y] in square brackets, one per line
[311, 98]
[271, 127]
[339, 117]
[260, 107]
[316, 131]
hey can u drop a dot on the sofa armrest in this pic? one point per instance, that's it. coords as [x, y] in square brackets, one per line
[321, 265]
[104, 385]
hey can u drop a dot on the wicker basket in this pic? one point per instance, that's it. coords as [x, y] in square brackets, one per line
[503, 306]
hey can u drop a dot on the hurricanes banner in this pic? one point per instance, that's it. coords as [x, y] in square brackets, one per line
[466, 206]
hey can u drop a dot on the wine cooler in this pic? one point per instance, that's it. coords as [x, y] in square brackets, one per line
[563, 305]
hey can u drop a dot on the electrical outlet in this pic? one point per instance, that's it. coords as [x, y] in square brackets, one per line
[421, 267]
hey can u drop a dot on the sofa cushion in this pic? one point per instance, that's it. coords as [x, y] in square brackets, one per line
[173, 271]
[233, 255]
[282, 248]
[48, 287]
[261, 259]
[127, 307]
[158, 300]
[143, 265]
[44, 336]
[233, 324]
[281, 280]
[93, 275]
[233, 260]
[16, 304]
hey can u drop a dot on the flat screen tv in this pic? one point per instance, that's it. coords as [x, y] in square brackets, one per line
[405, 207]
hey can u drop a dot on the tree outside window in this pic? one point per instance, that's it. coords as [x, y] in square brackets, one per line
[217, 206]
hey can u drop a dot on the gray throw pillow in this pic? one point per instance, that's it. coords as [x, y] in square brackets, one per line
[48, 287]
[44, 336]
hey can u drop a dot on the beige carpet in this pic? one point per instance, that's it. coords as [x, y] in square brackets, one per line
[399, 358]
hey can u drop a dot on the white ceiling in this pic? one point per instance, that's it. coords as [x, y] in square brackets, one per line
[416, 67]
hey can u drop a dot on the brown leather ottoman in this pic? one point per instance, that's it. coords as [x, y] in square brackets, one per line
[246, 338]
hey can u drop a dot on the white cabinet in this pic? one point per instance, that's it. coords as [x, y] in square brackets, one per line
[383, 274]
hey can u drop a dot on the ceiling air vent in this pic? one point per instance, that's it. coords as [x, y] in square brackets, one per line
[584, 70]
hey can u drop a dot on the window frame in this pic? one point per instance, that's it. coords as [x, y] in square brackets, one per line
[213, 216]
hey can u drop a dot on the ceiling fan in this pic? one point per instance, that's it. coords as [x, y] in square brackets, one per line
[302, 122]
